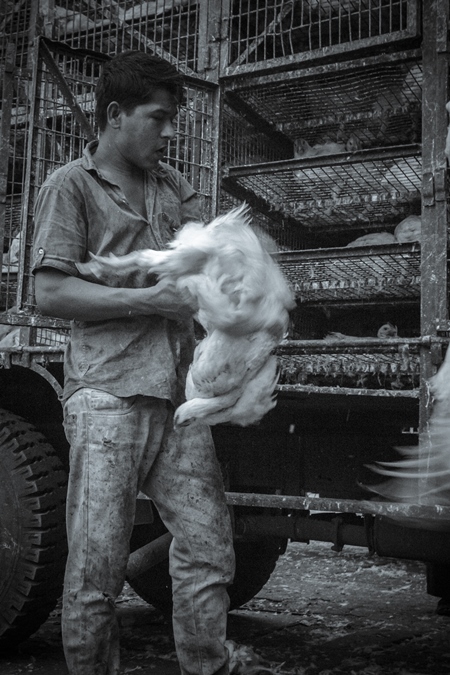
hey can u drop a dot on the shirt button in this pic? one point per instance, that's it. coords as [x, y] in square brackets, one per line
[41, 250]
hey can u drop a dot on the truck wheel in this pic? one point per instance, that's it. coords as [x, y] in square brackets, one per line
[33, 488]
[255, 562]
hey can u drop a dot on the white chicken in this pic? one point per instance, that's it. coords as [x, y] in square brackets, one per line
[387, 330]
[409, 229]
[423, 475]
[353, 143]
[373, 239]
[303, 149]
[243, 301]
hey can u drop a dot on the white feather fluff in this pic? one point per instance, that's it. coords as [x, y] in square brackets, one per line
[423, 475]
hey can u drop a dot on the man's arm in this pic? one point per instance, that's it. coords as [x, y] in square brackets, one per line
[68, 297]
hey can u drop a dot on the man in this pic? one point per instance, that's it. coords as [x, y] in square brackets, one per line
[131, 343]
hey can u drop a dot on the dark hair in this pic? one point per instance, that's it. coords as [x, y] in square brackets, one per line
[130, 78]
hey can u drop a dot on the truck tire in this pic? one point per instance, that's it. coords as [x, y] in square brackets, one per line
[33, 488]
[255, 562]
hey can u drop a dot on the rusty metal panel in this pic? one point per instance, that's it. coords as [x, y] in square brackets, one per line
[434, 263]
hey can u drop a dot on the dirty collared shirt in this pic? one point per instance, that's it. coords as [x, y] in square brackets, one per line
[79, 212]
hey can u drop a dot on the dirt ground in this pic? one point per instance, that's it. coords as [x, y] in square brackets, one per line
[321, 613]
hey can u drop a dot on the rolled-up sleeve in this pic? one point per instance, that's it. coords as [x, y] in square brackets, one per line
[60, 230]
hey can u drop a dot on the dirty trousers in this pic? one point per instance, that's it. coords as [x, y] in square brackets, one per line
[118, 447]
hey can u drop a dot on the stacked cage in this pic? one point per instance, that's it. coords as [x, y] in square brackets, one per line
[336, 88]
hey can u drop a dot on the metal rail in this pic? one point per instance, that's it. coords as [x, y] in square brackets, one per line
[359, 343]
[297, 503]
[392, 152]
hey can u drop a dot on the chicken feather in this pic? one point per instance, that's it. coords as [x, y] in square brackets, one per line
[423, 476]
[243, 304]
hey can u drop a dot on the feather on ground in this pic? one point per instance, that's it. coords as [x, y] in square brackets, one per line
[243, 301]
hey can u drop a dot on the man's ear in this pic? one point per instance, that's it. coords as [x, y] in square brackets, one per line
[113, 113]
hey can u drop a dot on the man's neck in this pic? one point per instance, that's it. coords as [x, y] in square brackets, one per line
[111, 163]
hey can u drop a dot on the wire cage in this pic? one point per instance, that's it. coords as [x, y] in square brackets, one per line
[263, 32]
[243, 142]
[354, 194]
[50, 102]
[381, 273]
[284, 236]
[371, 103]
[351, 156]
[169, 28]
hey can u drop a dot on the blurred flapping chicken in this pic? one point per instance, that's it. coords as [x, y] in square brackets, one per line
[423, 476]
[243, 303]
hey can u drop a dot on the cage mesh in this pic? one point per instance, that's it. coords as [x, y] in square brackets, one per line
[243, 143]
[382, 191]
[394, 371]
[49, 337]
[169, 28]
[339, 275]
[376, 105]
[264, 30]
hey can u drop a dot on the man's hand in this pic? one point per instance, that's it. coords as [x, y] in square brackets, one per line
[68, 297]
[166, 300]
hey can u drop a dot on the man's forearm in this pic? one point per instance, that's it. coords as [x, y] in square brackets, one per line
[67, 297]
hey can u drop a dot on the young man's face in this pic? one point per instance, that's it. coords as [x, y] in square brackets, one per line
[145, 132]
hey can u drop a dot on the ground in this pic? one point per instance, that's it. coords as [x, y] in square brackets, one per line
[322, 613]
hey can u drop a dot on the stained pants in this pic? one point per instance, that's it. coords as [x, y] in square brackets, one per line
[118, 447]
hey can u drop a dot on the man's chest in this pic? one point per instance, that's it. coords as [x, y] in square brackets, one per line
[123, 219]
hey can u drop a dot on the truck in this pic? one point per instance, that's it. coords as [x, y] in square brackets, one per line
[328, 118]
